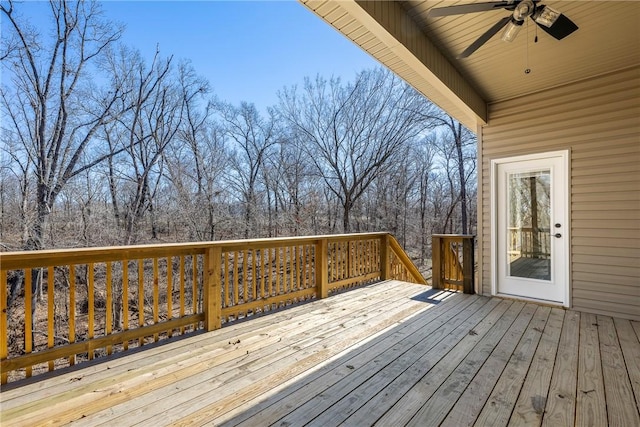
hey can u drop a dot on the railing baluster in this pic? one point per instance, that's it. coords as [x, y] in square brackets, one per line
[236, 261]
[310, 270]
[293, 255]
[304, 280]
[182, 290]
[227, 282]
[336, 250]
[332, 261]
[140, 298]
[194, 287]
[254, 275]
[245, 273]
[125, 300]
[91, 305]
[108, 323]
[263, 253]
[285, 270]
[169, 292]
[278, 267]
[306, 266]
[271, 255]
[366, 250]
[28, 317]
[72, 310]
[4, 353]
[156, 296]
[51, 316]
[303, 267]
[297, 267]
[342, 262]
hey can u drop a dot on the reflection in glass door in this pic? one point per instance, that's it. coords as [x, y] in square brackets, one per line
[529, 212]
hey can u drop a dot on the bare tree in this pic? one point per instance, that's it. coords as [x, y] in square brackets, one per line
[16, 169]
[424, 157]
[192, 88]
[252, 137]
[288, 173]
[457, 147]
[51, 105]
[142, 135]
[354, 132]
[196, 169]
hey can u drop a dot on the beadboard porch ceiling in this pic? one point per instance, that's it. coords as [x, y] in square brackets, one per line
[423, 49]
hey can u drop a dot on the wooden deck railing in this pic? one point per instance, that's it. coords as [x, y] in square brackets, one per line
[453, 262]
[527, 242]
[59, 307]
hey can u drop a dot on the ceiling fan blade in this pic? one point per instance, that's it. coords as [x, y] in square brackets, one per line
[554, 22]
[485, 37]
[470, 8]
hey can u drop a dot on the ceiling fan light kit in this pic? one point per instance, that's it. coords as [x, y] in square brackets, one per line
[550, 20]
[520, 13]
[511, 30]
[546, 16]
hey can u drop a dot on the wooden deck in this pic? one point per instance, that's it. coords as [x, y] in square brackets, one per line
[389, 354]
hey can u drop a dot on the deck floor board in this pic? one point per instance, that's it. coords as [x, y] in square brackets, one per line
[561, 399]
[386, 354]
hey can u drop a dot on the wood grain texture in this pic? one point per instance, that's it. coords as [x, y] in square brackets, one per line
[392, 353]
[531, 403]
[561, 399]
[621, 405]
[630, 346]
[591, 409]
[497, 411]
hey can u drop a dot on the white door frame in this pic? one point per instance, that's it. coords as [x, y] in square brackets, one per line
[564, 156]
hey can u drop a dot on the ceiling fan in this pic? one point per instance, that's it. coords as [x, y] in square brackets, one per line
[550, 20]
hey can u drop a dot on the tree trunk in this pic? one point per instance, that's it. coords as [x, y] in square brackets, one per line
[346, 213]
[463, 183]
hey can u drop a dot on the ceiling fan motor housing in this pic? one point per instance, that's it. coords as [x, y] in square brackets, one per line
[523, 9]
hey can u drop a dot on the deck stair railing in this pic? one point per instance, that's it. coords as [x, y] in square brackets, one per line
[60, 307]
[453, 262]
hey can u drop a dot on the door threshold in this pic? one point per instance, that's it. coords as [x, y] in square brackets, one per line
[555, 304]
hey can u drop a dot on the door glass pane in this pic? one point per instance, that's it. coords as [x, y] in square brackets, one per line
[529, 225]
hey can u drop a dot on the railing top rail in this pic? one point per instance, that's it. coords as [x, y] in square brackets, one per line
[417, 275]
[34, 259]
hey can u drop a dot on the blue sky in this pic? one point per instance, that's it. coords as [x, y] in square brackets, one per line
[248, 50]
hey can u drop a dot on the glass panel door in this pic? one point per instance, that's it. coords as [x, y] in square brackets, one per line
[529, 213]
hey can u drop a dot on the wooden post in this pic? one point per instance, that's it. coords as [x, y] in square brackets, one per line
[468, 265]
[436, 262]
[385, 270]
[213, 289]
[321, 269]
